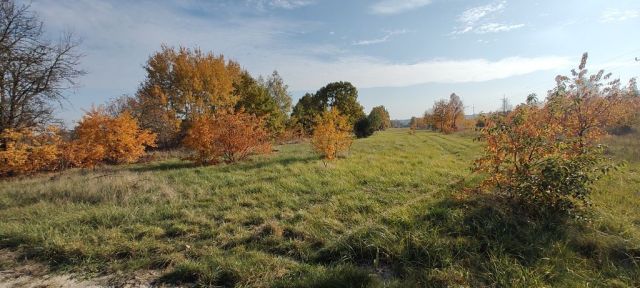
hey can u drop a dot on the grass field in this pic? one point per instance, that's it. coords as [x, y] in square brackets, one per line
[392, 213]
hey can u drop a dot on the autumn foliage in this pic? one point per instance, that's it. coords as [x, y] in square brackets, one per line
[332, 134]
[445, 116]
[100, 137]
[27, 151]
[182, 84]
[227, 137]
[548, 154]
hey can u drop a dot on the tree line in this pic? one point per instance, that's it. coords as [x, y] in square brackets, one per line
[189, 99]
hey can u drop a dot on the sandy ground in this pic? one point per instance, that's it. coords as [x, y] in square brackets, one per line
[32, 275]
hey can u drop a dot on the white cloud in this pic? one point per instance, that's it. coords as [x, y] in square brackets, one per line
[282, 4]
[476, 20]
[368, 72]
[289, 4]
[617, 15]
[496, 27]
[382, 39]
[119, 38]
[473, 15]
[397, 6]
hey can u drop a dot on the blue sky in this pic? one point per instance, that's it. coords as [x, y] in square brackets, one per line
[401, 54]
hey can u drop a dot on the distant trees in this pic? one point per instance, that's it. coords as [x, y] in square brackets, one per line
[445, 116]
[546, 155]
[438, 118]
[379, 118]
[34, 72]
[332, 134]
[226, 137]
[455, 112]
[340, 95]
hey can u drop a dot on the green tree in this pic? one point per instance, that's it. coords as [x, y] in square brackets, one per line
[379, 118]
[306, 111]
[278, 91]
[341, 95]
[255, 99]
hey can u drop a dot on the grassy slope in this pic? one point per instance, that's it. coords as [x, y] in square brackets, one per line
[385, 215]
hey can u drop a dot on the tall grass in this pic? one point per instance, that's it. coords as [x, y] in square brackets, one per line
[389, 214]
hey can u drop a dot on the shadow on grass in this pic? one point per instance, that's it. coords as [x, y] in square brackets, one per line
[477, 241]
[164, 166]
[250, 164]
[498, 226]
[266, 162]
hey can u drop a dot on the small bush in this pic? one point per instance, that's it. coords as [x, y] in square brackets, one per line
[228, 137]
[114, 139]
[332, 134]
[363, 128]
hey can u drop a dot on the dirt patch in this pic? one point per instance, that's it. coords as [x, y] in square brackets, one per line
[28, 274]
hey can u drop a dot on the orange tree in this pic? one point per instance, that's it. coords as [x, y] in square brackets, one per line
[100, 137]
[180, 85]
[332, 134]
[546, 155]
[228, 137]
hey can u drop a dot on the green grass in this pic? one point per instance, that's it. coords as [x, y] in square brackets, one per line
[386, 215]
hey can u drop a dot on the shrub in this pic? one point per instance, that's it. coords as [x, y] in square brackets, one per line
[26, 151]
[228, 137]
[114, 139]
[527, 163]
[547, 154]
[363, 128]
[332, 134]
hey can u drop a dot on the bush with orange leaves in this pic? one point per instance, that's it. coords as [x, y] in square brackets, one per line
[227, 137]
[332, 135]
[103, 138]
[547, 155]
[28, 150]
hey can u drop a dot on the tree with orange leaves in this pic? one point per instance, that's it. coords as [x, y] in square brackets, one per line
[332, 135]
[182, 84]
[228, 137]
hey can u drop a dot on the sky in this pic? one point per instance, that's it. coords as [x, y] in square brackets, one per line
[400, 54]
